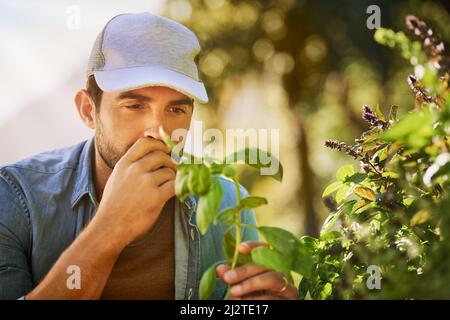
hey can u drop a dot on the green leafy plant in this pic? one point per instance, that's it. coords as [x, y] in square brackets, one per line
[200, 177]
[394, 212]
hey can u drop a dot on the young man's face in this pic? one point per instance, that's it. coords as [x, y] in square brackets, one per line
[125, 117]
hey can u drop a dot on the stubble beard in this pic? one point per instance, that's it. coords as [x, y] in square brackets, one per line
[106, 148]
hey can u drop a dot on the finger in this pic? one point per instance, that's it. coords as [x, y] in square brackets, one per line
[155, 160]
[268, 281]
[247, 246]
[167, 190]
[221, 269]
[161, 176]
[143, 146]
[242, 273]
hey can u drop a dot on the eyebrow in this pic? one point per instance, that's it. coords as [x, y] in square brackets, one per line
[180, 102]
[132, 95]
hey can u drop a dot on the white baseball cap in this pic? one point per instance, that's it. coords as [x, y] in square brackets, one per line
[136, 50]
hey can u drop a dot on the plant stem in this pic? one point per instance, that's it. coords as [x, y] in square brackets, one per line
[238, 232]
[237, 224]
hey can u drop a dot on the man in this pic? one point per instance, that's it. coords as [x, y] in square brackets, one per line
[99, 220]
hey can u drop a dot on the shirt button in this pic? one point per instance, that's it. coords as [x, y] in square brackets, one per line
[190, 293]
[192, 234]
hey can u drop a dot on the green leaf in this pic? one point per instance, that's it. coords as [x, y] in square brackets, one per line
[230, 222]
[344, 172]
[303, 288]
[229, 245]
[369, 146]
[281, 240]
[322, 291]
[390, 174]
[381, 154]
[365, 193]
[342, 193]
[401, 42]
[310, 242]
[330, 236]
[331, 188]
[359, 204]
[408, 201]
[378, 113]
[271, 259]
[208, 205]
[199, 179]
[224, 214]
[356, 178]
[208, 282]
[258, 159]
[370, 205]
[414, 129]
[328, 271]
[420, 217]
[371, 135]
[229, 172]
[217, 168]
[252, 202]
[304, 259]
[243, 259]
[393, 113]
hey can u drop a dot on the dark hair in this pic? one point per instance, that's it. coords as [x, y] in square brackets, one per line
[94, 91]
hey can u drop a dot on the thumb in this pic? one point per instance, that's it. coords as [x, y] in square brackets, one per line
[221, 269]
[247, 246]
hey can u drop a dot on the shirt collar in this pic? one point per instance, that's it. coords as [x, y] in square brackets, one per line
[84, 182]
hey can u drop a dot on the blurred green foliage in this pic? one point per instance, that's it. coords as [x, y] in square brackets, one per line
[393, 214]
[320, 56]
[200, 177]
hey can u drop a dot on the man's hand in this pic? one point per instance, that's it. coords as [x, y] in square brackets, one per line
[142, 181]
[253, 282]
[139, 186]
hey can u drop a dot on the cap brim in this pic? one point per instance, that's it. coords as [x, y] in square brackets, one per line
[139, 77]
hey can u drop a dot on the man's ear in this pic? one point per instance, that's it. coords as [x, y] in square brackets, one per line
[86, 108]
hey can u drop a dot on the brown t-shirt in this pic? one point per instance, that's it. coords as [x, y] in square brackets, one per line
[145, 269]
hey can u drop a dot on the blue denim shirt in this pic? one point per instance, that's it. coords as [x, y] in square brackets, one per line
[47, 199]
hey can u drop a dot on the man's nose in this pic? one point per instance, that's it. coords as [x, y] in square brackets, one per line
[152, 125]
[153, 132]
